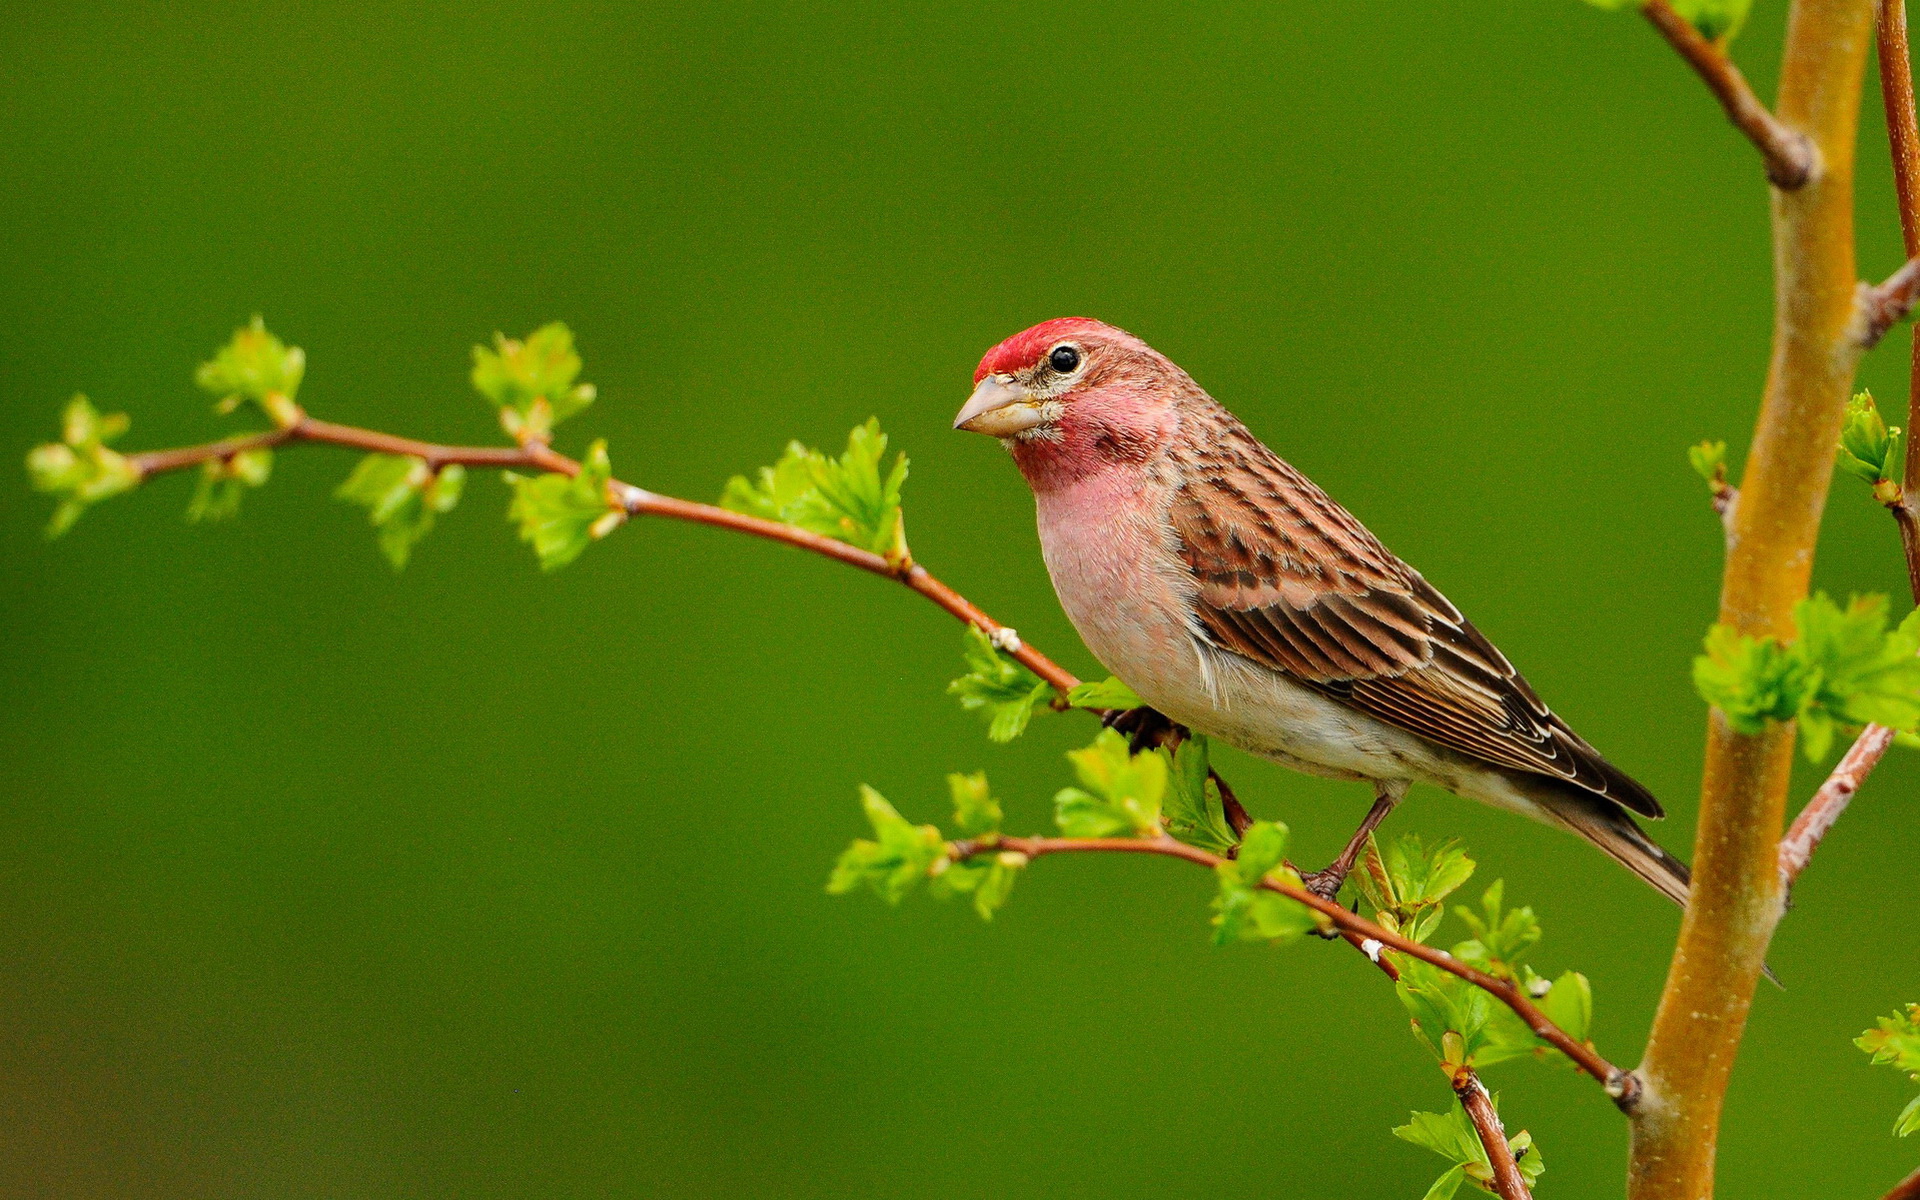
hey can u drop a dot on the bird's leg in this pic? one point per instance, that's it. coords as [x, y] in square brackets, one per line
[1327, 883]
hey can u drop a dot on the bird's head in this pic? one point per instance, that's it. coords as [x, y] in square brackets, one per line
[1072, 396]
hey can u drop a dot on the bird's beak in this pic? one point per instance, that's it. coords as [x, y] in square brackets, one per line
[999, 408]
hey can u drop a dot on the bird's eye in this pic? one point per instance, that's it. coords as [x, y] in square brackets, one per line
[1064, 359]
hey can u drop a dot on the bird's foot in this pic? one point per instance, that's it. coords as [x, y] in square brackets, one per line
[1326, 885]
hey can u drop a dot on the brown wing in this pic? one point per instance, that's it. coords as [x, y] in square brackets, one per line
[1290, 580]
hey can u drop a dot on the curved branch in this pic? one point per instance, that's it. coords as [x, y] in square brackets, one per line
[1790, 156]
[1358, 932]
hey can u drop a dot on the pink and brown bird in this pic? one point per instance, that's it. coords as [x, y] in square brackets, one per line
[1239, 600]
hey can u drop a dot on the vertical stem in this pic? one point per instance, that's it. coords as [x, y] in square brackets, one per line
[1737, 891]
[1903, 139]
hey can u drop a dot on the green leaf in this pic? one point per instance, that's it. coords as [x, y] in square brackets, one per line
[559, 515]
[1460, 1023]
[1869, 450]
[1895, 1042]
[975, 812]
[1108, 693]
[1709, 460]
[1408, 884]
[1193, 809]
[988, 878]
[850, 498]
[1569, 1004]
[897, 858]
[255, 365]
[1717, 20]
[224, 482]
[1845, 668]
[1452, 1136]
[532, 381]
[1119, 792]
[402, 496]
[1500, 935]
[997, 687]
[79, 469]
[1246, 911]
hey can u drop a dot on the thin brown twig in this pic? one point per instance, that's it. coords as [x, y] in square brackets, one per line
[1508, 1183]
[1789, 155]
[1903, 141]
[1354, 928]
[632, 500]
[1796, 849]
[1886, 304]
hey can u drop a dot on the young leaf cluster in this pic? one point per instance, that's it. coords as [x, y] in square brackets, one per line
[1002, 691]
[79, 469]
[560, 515]
[1895, 1042]
[901, 855]
[224, 482]
[1407, 886]
[255, 366]
[533, 382]
[1845, 668]
[1452, 1136]
[1120, 793]
[850, 498]
[1709, 461]
[402, 496]
[1870, 450]
[1193, 810]
[1245, 910]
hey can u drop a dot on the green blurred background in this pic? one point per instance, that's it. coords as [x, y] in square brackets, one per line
[473, 882]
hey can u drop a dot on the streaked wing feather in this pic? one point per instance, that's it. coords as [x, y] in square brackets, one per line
[1289, 579]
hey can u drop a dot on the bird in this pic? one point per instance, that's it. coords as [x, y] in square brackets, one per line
[1238, 599]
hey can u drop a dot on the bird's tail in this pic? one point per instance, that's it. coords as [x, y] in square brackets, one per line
[1608, 826]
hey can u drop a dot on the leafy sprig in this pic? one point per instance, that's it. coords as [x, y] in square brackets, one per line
[224, 482]
[901, 855]
[79, 469]
[560, 515]
[849, 498]
[533, 382]
[1845, 668]
[1870, 450]
[255, 366]
[997, 687]
[1194, 810]
[1408, 884]
[1245, 911]
[402, 496]
[1895, 1042]
[1120, 792]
